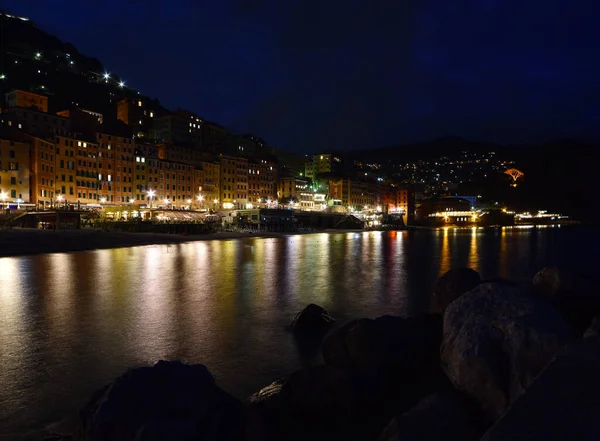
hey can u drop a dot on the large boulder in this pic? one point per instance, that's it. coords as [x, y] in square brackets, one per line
[169, 401]
[442, 416]
[312, 321]
[576, 297]
[497, 338]
[405, 345]
[322, 403]
[453, 284]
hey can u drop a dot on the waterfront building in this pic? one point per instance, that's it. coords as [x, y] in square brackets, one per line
[14, 170]
[176, 185]
[207, 182]
[355, 195]
[446, 210]
[262, 174]
[404, 205]
[86, 172]
[41, 164]
[65, 173]
[298, 190]
[115, 167]
[234, 182]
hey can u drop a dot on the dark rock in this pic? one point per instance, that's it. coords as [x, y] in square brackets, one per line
[312, 321]
[576, 297]
[497, 338]
[594, 329]
[454, 283]
[407, 345]
[170, 401]
[322, 403]
[442, 416]
[563, 403]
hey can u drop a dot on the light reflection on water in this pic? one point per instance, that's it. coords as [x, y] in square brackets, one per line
[71, 322]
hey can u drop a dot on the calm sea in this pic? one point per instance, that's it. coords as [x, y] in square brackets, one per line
[70, 322]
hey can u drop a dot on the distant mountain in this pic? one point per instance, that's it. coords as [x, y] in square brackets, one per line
[33, 60]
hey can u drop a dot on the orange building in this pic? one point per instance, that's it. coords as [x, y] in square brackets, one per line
[262, 181]
[42, 171]
[27, 100]
[115, 168]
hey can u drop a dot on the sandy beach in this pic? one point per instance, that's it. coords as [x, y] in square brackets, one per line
[20, 242]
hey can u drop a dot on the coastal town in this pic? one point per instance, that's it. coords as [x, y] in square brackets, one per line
[104, 150]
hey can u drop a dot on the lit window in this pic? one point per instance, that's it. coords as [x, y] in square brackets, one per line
[85, 144]
[151, 114]
[143, 159]
[139, 104]
[78, 143]
[109, 177]
[100, 176]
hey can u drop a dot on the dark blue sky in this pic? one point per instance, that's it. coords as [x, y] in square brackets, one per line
[344, 74]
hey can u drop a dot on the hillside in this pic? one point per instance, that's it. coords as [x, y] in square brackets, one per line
[31, 59]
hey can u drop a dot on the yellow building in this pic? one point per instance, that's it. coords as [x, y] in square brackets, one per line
[234, 182]
[208, 184]
[65, 182]
[27, 100]
[177, 185]
[14, 171]
[87, 172]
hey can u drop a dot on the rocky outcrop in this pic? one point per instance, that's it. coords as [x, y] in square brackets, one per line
[497, 338]
[312, 321]
[576, 297]
[169, 401]
[452, 284]
[406, 345]
[594, 329]
[322, 403]
[562, 403]
[442, 416]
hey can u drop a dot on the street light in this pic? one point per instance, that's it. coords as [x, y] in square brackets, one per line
[102, 200]
[151, 194]
[3, 196]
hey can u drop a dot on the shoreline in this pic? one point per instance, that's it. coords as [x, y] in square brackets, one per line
[27, 242]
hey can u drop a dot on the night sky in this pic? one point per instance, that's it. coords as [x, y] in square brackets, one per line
[307, 75]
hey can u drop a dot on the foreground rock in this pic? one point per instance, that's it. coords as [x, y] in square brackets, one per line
[454, 283]
[443, 416]
[170, 401]
[312, 321]
[408, 346]
[563, 403]
[496, 340]
[577, 298]
[322, 403]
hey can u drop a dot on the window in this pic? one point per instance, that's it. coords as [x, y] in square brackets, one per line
[13, 180]
[12, 153]
[13, 165]
[13, 193]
